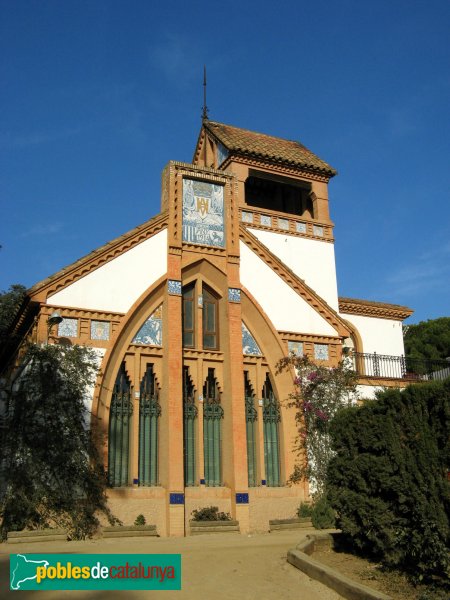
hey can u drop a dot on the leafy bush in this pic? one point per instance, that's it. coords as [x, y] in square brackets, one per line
[140, 520]
[388, 478]
[304, 510]
[323, 516]
[210, 513]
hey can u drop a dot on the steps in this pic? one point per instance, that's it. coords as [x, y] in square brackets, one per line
[202, 527]
[130, 531]
[39, 535]
[298, 523]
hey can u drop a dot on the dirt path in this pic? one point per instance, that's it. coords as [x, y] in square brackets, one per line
[215, 566]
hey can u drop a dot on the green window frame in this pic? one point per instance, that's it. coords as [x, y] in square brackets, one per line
[251, 416]
[271, 420]
[212, 431]
[210, 321]
[120, 418]
[149, 413]
[189, 316]
[189, 430]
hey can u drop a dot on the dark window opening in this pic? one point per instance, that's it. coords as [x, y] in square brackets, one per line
[188, 316]
[210, 325]
[281, 197]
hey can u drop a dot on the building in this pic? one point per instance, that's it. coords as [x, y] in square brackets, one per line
[190, 314]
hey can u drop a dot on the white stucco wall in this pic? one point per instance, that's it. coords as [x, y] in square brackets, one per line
[89, 395]
[382, 336]
[311, 260]
[118, 284]
[284, 307]
[368, 392]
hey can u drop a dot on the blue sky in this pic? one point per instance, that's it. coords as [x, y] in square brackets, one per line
[97, 96]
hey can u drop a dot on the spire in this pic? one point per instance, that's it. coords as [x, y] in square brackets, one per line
[205, 109]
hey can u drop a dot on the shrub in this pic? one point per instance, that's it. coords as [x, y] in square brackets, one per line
[388, 478]
[210, 513]
[140, 520]
[304, 510]
[323, 516]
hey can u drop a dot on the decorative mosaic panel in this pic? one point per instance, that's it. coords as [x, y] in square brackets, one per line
[234, 295]
[283, 223]
[321, 351]
[100, 330]
[318, 230]
[150, 333]
[174, 287]
[247, 217]
[68, 328]
[295, 348]
[300, 227]
[222, 153]
[266, 220]
[249, 345]
[203, 220]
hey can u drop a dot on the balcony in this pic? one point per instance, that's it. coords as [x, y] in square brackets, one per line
[382, 366]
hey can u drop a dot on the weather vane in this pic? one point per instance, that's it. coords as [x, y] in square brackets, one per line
[205, 109]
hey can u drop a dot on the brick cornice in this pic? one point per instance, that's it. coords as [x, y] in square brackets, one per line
[97, 258]
[276, 167]
[297, 284]
[369, 308]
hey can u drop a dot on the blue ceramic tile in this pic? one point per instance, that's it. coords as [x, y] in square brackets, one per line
[283, 223]
[321, 351]
[318, 230]
[234, 294]
[176, 498]
[295, 348]
[300, 227]
[266, 220]
[100, 330]
[247, 217]
[174, 287]
[68, 328]
[241, 498]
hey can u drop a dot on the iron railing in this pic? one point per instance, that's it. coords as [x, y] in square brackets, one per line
[399, 367]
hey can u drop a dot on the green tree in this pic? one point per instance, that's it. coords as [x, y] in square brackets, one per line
[428, 339]
[320, 392]
[388, 477]
[10, 302]
[52, 471]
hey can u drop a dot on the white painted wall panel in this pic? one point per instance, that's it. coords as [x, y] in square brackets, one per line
[382, 336]
[284, 307]
[311, 260]
[118, 284]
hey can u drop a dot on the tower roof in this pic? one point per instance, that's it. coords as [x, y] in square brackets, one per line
[268, 147]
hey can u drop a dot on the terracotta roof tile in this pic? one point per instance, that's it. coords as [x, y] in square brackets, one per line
[260, 145]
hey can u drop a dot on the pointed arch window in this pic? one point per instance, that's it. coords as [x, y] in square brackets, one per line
[251, 416]
[189, 434]
[149, 413]
[271, 420]
[212, 435]
[120, 417]
[210, 320]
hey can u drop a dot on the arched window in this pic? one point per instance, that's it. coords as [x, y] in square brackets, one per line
[149, 412]
[271, 419]
[212, 416]
[190, 417]
[251, 416]
[120, 414]
[210, 321]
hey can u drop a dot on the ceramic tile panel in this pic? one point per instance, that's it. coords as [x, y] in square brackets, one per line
[249, 345]
[203, 213]
[68, 328]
